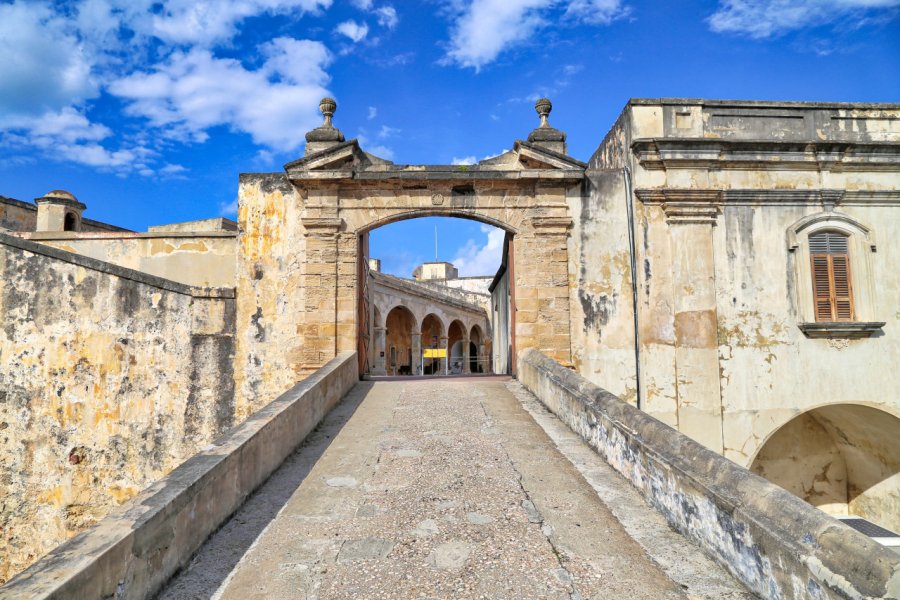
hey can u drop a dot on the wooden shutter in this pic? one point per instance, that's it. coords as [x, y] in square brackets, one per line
[830, 264]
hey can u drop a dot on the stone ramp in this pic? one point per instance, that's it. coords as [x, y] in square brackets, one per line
[447, 489]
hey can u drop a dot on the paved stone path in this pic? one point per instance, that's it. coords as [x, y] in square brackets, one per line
[447, 489]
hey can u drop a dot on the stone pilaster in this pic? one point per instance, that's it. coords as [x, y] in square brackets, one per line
[320, 276]
[691, 219]
[378, 363]
[444, 361]
[542, 294]
[416, 352]
[465, 355]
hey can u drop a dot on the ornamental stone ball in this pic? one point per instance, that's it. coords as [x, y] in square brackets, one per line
[326, 135]
[543, 107]
[544, 135]
[327, 106]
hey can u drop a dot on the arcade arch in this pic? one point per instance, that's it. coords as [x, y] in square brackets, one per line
[400, 326]
[843, 459]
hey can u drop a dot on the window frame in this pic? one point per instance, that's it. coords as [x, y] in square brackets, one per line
[860, 247]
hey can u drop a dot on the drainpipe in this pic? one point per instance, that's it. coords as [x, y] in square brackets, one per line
[632, 251]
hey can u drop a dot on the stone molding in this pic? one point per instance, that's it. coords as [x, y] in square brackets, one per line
[685, 206]
[684, 153]
[852, 331]
[551, 225]
[845, 223]
[826, 197]
[75, 204]
[322, 226]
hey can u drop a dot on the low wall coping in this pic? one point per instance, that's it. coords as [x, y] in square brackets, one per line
[775, 543]
[115, 270]
[139, 545]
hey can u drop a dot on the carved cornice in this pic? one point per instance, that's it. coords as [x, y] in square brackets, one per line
[685, 206]
[551, 225]
[816, 197]
[322, 226]
[668, 153]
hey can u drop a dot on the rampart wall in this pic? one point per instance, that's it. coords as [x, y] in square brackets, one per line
[199, 258]
[109, 378]
[773, 542]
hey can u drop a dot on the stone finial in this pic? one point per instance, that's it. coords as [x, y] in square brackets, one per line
[327, 106]
[543, 107]
[326, 135]
[545, 135]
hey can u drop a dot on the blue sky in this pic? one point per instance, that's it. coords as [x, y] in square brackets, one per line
[147, 110]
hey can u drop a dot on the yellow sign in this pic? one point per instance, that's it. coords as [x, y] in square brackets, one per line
[435, 353]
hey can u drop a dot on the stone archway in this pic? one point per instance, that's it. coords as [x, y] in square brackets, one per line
[304, 232]
[843, 459]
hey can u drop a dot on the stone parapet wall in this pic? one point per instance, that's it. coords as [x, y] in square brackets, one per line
[776, 544]
[205, 259]
[140, 545]
[109, 378]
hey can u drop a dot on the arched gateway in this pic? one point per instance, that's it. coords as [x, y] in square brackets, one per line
[304, 241]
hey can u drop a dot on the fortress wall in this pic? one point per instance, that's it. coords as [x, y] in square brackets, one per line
[272, 341]
[203, 259]
[602, 322]
[109, 378]
[139, 546]
[773, 542]
[16, 215]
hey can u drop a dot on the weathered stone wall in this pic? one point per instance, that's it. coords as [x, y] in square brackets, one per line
[16, 215]
[600, 280]
[203, 259]
[270, 317]
[774, 543]
[134, 551]
[724, 195]
[109, 378]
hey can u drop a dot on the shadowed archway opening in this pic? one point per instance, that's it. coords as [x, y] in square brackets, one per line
[399, 328]
[453, 259]
[843, 459]
[432, 338]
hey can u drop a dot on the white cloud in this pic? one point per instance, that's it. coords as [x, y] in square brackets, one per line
[474, 259]
[597, 12]
[386, 132]
[44, 66]
[362, 4]
[356, 32]
[465, 160]
[483, 29]
[387, 16]
[208, 21]
[767, 18]
[57, 58]
[487, 27]
[228, 209]
[193, 91]
[373, 112]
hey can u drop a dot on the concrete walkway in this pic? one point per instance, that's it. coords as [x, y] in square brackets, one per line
[456, 488]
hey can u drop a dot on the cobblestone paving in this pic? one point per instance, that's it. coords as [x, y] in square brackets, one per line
[426, 489]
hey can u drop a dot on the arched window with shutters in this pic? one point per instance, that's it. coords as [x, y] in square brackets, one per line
[829, 254]
[832, 256]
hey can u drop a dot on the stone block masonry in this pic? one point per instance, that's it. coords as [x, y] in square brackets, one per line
[109, 378]
[776, 544]
[140, 545]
